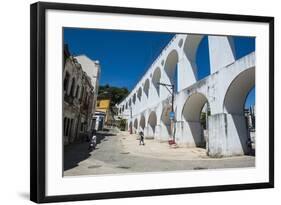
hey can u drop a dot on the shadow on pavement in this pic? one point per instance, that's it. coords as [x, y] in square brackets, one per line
[77, 152]
[102, 136]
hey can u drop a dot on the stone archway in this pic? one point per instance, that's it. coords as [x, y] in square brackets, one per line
[237, 92]
[156, 79]
[171, 68]
[166, 122]
[134, 98]
[142, 123]
[139, 93]
[190, 48]
[191, 114]
[135, 125]
[130, 127]
[146, 87]
[152, 122]
[233, 106]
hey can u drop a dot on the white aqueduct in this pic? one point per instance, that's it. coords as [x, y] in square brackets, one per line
[148, 105]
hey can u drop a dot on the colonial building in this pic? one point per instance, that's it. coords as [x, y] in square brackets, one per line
[80, 88]
[104, 109]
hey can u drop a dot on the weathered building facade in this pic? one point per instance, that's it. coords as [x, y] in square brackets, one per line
[80, 88]
[151, 107]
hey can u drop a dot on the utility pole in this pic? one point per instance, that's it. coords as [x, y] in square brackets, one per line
[173, 119]
[171, 89]
[131, 122]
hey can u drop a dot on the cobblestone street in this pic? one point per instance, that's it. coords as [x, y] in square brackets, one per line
[120, 152]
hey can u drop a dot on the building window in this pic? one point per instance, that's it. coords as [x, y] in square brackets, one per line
[70, 127]
[66, 130]
[72, 90]
[65, 82]
[82, 93]
[64, 126]
[77, 91]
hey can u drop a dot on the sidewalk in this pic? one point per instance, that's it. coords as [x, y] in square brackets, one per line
[162, 150]
[120, 152]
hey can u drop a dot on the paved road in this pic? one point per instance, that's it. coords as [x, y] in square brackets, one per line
[119, 152]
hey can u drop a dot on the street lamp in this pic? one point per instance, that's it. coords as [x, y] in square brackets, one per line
[171, 89]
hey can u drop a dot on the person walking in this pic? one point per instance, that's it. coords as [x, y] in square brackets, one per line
[93, 143]
[141, 138]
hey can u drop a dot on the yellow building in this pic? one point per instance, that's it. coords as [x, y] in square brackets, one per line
[104, 106]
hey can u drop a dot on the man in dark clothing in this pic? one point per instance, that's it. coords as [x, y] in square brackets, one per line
[93, 142]
[141, 138]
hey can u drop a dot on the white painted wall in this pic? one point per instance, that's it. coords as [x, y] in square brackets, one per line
[182, 55]
[227, 86]
[218, 89]
[222, 52]
[92, 68]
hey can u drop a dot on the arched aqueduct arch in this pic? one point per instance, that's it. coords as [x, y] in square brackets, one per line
[136, 123]
[156, 79]
[130, 125]
[134, 98]
[142, 122]
[139, 93]
[171, 66]
[190, 48]
[191, 113]
[234, 102]
[152, 122]
[225, 90]
[237, 92]
[146, 87]
[165, 120]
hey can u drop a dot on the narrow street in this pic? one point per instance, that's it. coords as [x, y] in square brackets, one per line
[119, 152]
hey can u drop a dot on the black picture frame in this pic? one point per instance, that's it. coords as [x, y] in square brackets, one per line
[38, 101]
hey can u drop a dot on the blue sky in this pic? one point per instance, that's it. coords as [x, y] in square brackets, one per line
[126, 55]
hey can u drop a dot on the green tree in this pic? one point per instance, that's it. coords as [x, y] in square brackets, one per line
[115, 94]
[122, 124]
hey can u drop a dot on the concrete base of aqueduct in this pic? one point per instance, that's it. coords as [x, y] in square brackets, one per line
[227, 135]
